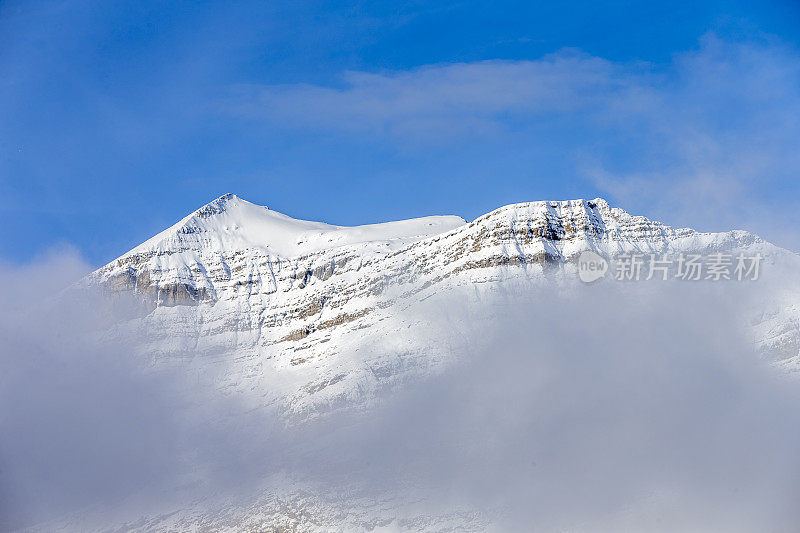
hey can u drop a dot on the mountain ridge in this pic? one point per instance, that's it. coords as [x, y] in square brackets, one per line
[229, 216]
[265, 315]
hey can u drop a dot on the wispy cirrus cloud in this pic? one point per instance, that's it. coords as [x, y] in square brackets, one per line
[707, 140]
[441, 103]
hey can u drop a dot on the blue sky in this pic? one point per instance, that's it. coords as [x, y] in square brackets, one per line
[117, 119]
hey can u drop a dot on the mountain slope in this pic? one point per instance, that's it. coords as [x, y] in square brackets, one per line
[263, 302]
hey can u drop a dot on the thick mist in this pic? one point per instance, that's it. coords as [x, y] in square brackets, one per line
[89, 426]
[604, 407]
[639, 408]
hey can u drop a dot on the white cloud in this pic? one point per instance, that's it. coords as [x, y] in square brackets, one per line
[642, 409]
[707, 140]
[437, 100]
[591, 409]
[86, 423]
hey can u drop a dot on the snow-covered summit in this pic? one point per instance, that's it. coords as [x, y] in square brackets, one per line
[288, 297]
[231, 223]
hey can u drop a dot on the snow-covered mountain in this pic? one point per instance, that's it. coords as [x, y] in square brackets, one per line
[312, 316]
[296, 357]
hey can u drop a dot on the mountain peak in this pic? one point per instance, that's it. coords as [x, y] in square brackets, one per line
[600, 204]
[219, 205]
[230, 223]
